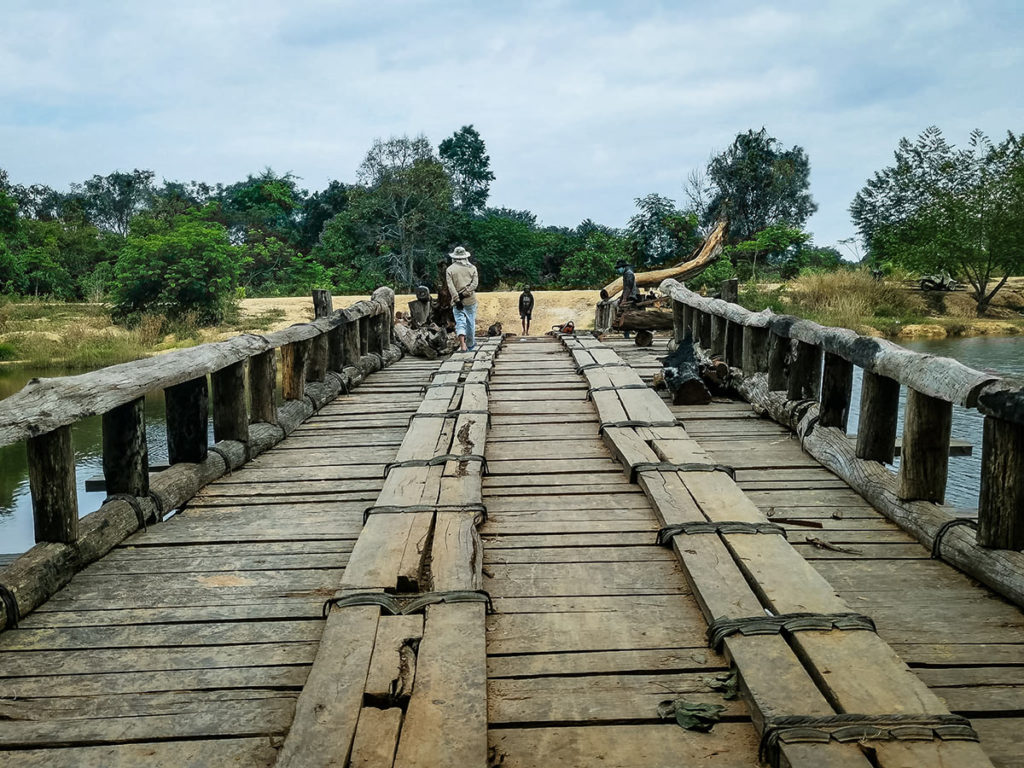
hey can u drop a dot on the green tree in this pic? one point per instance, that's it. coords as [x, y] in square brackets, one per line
[344, 249]
[773, 244]
[939, 207]
[756, 183]
[404, 203]
[318, 209]
[112, 201]
[464, 156]
[660, 233]
[505, 251]
[593, 265]
[188, 266]
[269, 203]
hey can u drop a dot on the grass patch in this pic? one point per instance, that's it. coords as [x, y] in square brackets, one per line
[8, 352]
[264, 321]
[854, 300]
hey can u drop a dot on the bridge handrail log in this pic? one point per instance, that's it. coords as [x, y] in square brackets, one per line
[801, 374]
[320, 359]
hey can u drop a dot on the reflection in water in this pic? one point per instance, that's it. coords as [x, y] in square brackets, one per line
[16, 534]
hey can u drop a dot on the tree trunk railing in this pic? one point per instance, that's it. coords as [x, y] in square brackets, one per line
[235, 379]
[801, 374]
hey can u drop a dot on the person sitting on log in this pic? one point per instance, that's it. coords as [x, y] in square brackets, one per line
[526, 309]
[628, 295]
[462, 280]
[420, 308]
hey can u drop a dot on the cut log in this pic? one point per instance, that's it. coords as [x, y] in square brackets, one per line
[649, 320]
[701, 259]
[682, 375]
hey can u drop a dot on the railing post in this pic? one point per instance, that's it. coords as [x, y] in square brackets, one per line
[733, 344]
[323, 305]
[836, 390]
[262, 385]
[293, 369]
[924, 458]
[705, 329]
[51, 477]
[755, 349]
[695, 323]
[805, 372]
[1001, 503]
[230, 419]
[718, 326]
[323, 302]
[336, 349]
[375, 333]
[125, 454]
[679, 320]
[351, 345]
[730, 290]
[879, 415]
[187, 421]
[364, 335]
[778, 362]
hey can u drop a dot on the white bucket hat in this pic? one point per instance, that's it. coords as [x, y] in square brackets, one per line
[459, 254]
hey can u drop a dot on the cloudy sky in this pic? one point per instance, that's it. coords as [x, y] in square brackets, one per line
[583, 105]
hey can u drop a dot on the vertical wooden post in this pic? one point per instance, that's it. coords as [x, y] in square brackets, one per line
[125, 453]
[1001, 504]
[351, 345]
[879, 414]
[805, 372]
[262, 385]
[679, 318]
[730, 290]
[734, 344]
[51, 478]
[375, 333]
[705, 330]
[924, 459]
[187, 421]
[336, 349]
[755, 349]
[230, 419]
[778, 362]
[364, 335]
[695, 324]
[293, 369]
[323, 302]
[323, 305]
[836, 389]
[718, 325]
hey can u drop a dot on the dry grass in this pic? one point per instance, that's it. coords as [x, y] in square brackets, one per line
[853, 300]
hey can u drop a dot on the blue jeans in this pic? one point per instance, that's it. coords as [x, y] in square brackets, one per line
[465, 324]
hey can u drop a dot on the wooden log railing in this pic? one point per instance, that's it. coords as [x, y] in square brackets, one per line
[320, 359]
[800, 373]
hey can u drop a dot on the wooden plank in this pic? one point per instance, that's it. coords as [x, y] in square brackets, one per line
[255, 752]
[376, 738]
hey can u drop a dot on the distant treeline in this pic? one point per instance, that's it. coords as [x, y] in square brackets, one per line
[172, 246]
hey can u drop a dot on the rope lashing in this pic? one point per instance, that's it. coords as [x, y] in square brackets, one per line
[10, 606]
[161, 505]
[591, 366]
[668, 466]
[666, 534]
[133, 502]
[342, 381]
[309, 399]
[632, 423]
[847, 728]
[435, 460]
[453, 414]
[724, 627]
[592, 390]
[944, 529]
[479, 509]
[404, 605]
[223, 455]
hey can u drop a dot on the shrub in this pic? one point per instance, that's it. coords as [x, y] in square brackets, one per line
[190, 267]
[712, 277]
[8, 352]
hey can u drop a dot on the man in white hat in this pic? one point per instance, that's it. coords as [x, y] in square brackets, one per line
[462, 281]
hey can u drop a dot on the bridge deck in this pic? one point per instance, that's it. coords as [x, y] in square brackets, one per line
[189, 644]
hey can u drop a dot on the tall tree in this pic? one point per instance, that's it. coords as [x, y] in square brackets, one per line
[464, 156]
[659, 232]
[755, 183]
[111, 201]
[939, 207]
[318, 209]
[269, 202]
[404, 202]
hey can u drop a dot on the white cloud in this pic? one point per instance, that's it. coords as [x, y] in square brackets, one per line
[583, 106]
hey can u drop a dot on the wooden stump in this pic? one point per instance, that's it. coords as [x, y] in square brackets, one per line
[293, 369]
[644, 338]
[924, 458]
[755, 349]
[805, 372]
[1001, 504]
[879, 414]
[778, 362]
[230, 418]
[718, 328]
[51, 477]
[125, 454]
[187, 421]
[262, 386]
[836, 388]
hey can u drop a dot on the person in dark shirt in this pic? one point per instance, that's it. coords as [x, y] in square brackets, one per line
[526, 309]
[629, 294]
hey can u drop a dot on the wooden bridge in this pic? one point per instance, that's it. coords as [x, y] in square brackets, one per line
[519, 556]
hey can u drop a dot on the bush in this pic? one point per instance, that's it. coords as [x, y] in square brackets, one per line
[8, 352]
[189, 268]
[712, 277]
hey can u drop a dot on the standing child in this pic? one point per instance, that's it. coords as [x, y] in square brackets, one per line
[526, 309]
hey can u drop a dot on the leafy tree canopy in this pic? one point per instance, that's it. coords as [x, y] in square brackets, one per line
[465, 158]
[755, 183]
[267, 202]
[660, 233]
[111, 201]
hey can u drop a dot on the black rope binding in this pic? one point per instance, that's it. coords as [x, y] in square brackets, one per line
[847, 728]
[724, 627]
[134, 503]
[435, 460]
[161, 505]
[668, 466]
[631, 423]
[666, 534]
[10, 606]
[944, 529]
[309, 399]
[592, 390]
[479, 509]
[399, 605]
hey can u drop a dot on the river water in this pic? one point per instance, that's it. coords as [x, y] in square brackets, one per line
[1003, 354]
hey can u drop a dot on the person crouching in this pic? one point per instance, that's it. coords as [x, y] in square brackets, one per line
[462, 279]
